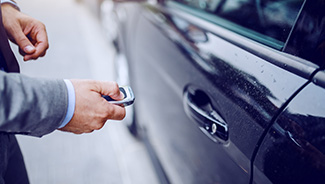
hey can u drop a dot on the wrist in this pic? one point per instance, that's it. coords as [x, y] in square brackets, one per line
[10, 2]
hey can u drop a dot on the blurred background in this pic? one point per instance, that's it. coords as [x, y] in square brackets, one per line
[79, 49]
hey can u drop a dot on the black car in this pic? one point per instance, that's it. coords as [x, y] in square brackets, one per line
[227, 91]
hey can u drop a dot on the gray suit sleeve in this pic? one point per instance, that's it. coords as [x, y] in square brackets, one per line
[31, 106]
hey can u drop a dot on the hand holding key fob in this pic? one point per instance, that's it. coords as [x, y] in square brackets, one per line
[128, 97]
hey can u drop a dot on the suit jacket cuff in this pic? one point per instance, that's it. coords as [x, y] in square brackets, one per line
[13, 3]
[71, 103]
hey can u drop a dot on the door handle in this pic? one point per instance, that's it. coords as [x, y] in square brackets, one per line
[198, 107]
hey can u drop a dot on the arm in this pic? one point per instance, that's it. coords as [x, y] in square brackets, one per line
[38, 106]
[31, 106]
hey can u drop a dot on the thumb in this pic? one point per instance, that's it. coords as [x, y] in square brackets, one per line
[111, 89]
[24, 44]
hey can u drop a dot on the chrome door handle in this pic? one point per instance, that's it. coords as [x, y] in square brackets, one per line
[198, 107]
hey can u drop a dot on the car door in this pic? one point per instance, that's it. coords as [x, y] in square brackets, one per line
[293, 148]
[209, 77]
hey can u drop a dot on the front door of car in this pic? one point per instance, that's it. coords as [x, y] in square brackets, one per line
[208, 86]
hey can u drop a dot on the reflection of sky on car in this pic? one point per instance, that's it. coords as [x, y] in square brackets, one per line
[281, 12]
[209, 5]
[212, 4]
[191, 32]
[309, 110]
[233, 5]
[270, 19]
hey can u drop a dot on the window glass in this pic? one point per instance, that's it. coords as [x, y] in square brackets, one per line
[267, 21]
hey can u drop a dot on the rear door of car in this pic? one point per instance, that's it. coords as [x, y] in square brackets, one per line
[294, 146]
[209, 77]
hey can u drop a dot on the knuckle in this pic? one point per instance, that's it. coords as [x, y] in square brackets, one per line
[99, 126]
[119, 113]
[114, 112]
[38, 24]
[89, 131]
[96, 84]
[109, 111]
[43, 54]
[21, 40]
[98, 123]
[115, 86]
[43, 25]
[122, 115]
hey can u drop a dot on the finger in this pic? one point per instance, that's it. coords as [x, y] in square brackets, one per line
[111, 89]
[31, 57]
[115, 112]
[77, 132]
[24, 44]
[40, 52]
[41, 44]
[88, 131]
[99, 126]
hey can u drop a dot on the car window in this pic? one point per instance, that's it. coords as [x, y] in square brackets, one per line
[266, 21]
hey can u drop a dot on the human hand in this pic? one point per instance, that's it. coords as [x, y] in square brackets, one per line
[92, 110]
[28, 33]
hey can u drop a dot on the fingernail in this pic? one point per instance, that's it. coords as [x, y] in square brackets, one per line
[121, 96]
[29, 49]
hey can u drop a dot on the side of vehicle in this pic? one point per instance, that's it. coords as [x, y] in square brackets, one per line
[247, 73]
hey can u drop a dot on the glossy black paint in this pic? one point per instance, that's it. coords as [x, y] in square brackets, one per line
[193, 66]
[293, 150]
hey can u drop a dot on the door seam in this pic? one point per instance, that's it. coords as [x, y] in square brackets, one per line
[273, 120]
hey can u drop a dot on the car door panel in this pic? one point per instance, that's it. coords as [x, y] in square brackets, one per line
[168, 56]
[167, 126]
[293, 150]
